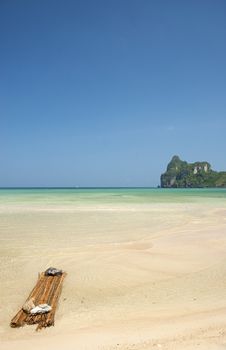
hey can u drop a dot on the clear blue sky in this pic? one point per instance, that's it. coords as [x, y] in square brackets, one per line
[103, 93]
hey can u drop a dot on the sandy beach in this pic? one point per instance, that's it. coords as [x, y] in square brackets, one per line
[141, 274]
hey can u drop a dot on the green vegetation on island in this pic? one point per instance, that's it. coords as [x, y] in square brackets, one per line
[180, 174]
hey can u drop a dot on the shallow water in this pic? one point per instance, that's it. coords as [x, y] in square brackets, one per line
[72, 196]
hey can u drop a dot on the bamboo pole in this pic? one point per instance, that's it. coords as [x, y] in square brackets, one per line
[19, 319]
[54, 287]
[51, 314]
[32, 319]
[40, 299]
[45, 299]
[43, 320]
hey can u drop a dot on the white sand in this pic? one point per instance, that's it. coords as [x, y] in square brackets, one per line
[139, 276]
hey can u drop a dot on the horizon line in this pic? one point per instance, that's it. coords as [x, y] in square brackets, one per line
[72, 187]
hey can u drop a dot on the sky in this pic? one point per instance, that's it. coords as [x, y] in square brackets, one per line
[105, 92]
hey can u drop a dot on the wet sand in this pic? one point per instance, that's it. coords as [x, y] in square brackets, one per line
[140, 276]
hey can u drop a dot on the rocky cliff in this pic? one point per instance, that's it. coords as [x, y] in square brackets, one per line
[199, 174]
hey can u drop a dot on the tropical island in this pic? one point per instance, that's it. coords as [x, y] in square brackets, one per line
[181, 174]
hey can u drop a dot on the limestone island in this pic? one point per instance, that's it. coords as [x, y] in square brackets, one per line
[180, 174]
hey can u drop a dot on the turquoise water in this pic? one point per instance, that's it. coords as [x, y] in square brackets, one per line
[70, 196]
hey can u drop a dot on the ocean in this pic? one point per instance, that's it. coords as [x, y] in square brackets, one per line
[94, 196]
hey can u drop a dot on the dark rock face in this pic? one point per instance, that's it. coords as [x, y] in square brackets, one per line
[180, 174]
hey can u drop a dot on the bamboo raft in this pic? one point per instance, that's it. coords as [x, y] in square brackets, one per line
[47, 290]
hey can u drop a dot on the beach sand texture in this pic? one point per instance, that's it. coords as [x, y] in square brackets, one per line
[144, 270]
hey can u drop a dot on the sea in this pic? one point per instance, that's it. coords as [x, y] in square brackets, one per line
[65, 196]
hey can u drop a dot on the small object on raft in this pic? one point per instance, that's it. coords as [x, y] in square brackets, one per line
[52, 271]
[46, 291]
[41, 309]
